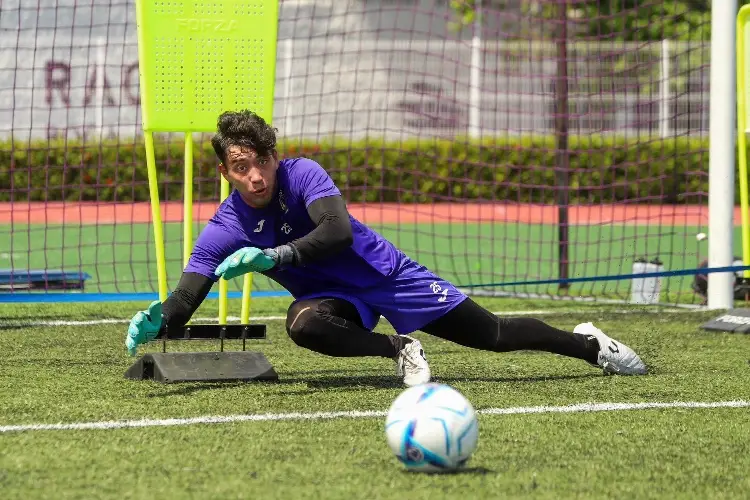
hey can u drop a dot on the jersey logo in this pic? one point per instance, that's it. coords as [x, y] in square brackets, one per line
[286, 228]
[437, 289]
[260, 226]
[282, 201]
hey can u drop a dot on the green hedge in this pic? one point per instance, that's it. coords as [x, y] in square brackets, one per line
[514, 169]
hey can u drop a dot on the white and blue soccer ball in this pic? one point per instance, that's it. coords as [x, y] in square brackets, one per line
[432, 428]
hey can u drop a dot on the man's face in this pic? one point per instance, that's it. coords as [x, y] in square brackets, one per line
[253, 176]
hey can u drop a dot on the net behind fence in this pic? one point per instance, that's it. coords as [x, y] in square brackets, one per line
[540, 141]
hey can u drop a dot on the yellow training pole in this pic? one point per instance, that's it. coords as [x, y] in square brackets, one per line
[153, 188]
[247, 290]
[187, 206]
[741, 139]
[223, 284]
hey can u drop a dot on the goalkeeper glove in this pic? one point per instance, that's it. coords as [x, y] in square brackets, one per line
[246, 260]
[144, 327]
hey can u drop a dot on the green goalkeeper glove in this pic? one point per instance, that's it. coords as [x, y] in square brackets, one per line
[246, 260]
[144, 327]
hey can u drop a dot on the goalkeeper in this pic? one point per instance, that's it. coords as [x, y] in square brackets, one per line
[287, 220]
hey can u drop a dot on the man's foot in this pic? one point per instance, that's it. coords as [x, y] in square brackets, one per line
[614, 357]
[411, 363]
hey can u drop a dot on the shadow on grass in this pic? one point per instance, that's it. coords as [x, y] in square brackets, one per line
[193, 387]
[515, 380]
[351, 383]
[31, 321]
[476, 471]
[389, 382]
[63, 363]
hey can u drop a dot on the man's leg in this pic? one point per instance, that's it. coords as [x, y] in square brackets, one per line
[332, 326]
[471, 325]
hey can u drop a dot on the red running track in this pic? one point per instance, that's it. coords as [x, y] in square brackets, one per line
[373, 213]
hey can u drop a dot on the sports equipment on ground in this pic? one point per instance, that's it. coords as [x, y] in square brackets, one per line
[615, 358]
[432, 428]
[700, 282]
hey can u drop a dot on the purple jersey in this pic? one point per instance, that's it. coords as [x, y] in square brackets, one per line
[372, 266]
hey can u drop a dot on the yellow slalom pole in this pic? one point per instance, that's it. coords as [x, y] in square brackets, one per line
[741, 139]
[223, 284]
[247, 290]
[153, 188]
[187, 206]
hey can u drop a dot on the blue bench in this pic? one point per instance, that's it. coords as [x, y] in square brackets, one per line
[41, 279]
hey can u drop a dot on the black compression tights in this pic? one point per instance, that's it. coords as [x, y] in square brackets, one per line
[333, 327]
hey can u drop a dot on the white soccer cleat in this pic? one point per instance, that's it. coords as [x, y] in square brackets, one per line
[412, 364]
[614, 357]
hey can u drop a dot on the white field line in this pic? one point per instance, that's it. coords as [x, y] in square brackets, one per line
[276, 417]
[235, 319]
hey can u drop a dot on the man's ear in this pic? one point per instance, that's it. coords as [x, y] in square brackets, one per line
[223, 170]
[275, 155]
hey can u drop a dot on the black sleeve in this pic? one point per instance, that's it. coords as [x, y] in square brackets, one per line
[191, 291]
[332, 234]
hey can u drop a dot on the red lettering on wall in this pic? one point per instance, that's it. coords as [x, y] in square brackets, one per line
[58, 82]
[91, 88]
[57, 77]
[130, 84]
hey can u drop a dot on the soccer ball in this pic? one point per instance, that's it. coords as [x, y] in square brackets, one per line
[432, 428]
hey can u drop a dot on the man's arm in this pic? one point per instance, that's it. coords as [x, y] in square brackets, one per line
[174, 312]
[332, 234]
[214, 244]
[191, 291]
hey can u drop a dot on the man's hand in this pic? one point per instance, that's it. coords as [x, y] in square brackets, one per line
[246, 260]
[144, 327]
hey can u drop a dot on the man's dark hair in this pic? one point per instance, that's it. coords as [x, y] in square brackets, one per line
[243, 128]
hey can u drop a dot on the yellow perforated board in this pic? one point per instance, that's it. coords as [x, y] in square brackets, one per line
[198, 58]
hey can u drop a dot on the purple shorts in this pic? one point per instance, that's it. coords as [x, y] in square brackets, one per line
[410, 299]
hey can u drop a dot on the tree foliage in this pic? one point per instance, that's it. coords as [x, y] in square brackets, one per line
[620, 20]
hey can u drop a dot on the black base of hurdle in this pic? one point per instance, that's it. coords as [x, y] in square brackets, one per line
[175, 367]
[734, 321]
